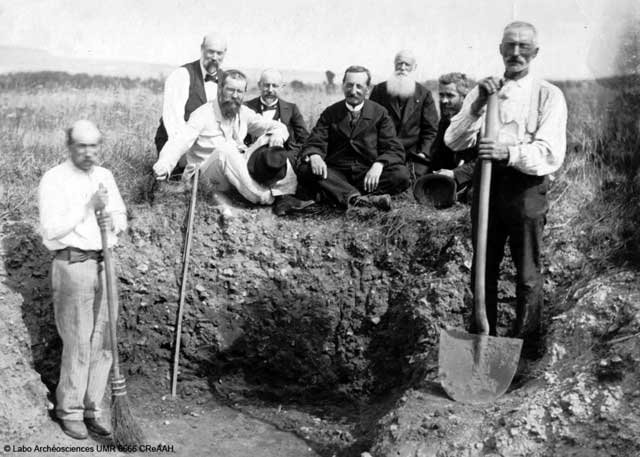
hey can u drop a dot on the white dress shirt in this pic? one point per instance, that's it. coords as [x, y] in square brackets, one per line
[207, 129]
[536, 147]
[176, 93]
[270, 113]
[65, 219]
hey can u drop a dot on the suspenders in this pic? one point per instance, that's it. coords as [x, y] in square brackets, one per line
[534, 107]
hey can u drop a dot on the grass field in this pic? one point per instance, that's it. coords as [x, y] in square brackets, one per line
[601, 166]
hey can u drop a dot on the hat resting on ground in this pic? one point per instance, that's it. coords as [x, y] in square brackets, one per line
[435, 189]
[268, 165]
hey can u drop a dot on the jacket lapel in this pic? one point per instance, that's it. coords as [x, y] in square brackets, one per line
[344, 119]
[364, 120]
[255, 105]
[285, 112]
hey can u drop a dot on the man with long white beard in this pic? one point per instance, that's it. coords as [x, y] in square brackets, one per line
[212, 140]
[412, 110]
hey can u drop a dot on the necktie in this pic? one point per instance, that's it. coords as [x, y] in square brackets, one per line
[268, 108]
[210, 77]
[355, 115]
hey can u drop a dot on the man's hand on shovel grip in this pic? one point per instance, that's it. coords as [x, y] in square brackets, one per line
[486, 87]
[492, 150]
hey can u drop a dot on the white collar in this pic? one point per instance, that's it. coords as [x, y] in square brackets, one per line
[354, 108]
[523, 82]
[72, 166]
[269, 104]
[204, 72]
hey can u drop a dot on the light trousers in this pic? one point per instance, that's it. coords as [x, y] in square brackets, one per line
[227, 166]
[82, 320]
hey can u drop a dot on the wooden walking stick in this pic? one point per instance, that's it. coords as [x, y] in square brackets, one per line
[126, 432]
[183, 283]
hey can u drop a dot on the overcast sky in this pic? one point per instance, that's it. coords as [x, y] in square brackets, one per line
[446, 35]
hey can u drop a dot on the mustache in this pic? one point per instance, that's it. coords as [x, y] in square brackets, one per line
[231, 102]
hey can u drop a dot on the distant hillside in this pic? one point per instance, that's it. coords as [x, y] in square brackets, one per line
[16, 59]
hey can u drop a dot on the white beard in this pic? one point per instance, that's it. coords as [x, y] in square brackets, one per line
[403, 86]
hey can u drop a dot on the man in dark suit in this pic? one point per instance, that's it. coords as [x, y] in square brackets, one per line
[353, 149]
[189, 87]
[271, 106]
[412, 110]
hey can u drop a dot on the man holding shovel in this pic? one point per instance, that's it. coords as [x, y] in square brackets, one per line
[69, 196]
[530, 145]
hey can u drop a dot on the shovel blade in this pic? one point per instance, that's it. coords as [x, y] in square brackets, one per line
[476, 369]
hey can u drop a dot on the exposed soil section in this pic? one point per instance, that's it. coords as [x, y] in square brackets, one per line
[325, 327]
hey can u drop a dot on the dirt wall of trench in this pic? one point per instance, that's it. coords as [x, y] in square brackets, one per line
[310, 307]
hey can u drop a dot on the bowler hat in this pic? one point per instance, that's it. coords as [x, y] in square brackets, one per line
[268, 164]
[435, 189]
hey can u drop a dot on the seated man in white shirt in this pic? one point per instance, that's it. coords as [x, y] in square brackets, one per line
[70, 194]
[189, 87]
[213, 140]
[530, 146]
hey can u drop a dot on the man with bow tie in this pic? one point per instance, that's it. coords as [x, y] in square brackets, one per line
[412, 110]
[189, 87]
[213, 141]
[352, 154]
[530, 146]
[271, 106]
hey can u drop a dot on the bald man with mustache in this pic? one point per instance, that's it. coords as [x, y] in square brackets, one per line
[189, 87]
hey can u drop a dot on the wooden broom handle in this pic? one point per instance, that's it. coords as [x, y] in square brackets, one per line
[112, 298]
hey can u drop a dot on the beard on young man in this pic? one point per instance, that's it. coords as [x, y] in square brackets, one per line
[230, 108]
[401, 85]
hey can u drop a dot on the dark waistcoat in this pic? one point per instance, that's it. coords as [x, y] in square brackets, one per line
[197, 97]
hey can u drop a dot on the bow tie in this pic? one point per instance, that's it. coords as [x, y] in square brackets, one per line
[210, 77]
[269, 108]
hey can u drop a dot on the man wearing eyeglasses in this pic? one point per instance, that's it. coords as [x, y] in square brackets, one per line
[213, 141]
[271, 106]
[529, 147]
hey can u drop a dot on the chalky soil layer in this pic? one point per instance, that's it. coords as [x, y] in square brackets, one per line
[325, 328]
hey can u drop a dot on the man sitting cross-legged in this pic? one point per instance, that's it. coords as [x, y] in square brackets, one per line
[353, 149]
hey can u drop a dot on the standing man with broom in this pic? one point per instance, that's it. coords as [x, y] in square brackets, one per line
[530, 145]
[70, 195]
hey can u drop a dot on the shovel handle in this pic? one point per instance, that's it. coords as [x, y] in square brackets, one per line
[491, 131]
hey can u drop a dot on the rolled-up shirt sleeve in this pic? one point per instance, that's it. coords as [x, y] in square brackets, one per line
[545, 152]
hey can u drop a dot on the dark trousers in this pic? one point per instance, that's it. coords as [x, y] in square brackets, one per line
[345, 180]
[417, 169]
[517, 215]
